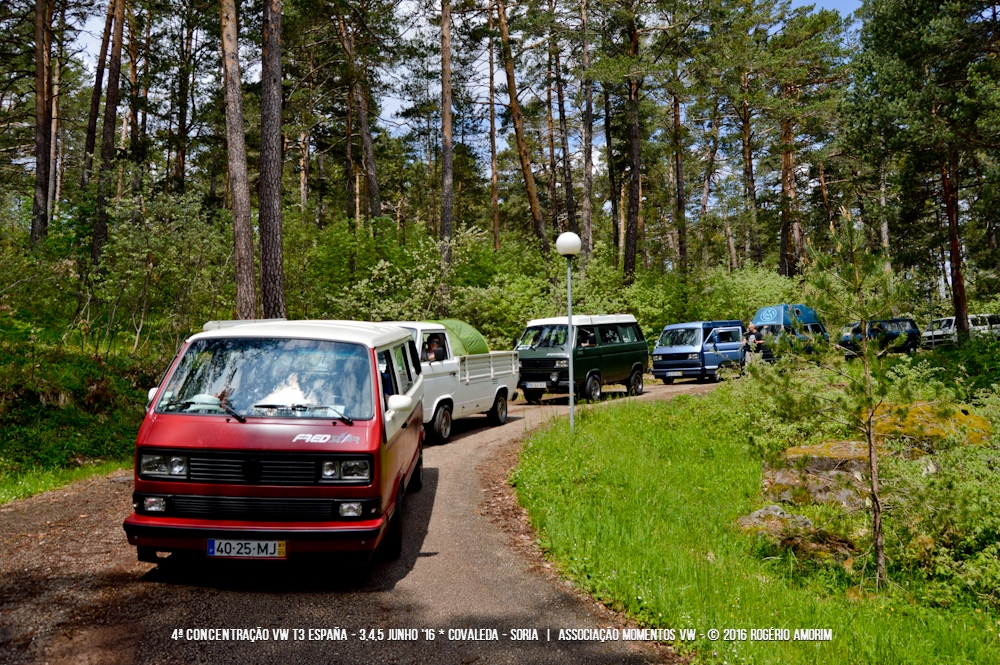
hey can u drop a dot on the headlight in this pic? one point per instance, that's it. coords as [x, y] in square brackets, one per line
[330, 470]
[561, 363]
[694, 356]
[175, 466]
[657, 357]
[355, 470]
[554, 377]
[350, 509]
[154, 504]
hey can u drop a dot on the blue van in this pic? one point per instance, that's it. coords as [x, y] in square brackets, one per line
[698, 349]
[775, 320]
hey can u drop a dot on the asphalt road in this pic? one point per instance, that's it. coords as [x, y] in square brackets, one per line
[71, 590]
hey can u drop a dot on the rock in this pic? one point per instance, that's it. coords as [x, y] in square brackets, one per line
[774, 521]
[829, 472]
[925, 423]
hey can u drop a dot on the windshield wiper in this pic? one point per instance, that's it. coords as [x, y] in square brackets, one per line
[225, 407]
[307, 407]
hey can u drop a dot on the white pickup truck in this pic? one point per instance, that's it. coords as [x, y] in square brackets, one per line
[458, 383]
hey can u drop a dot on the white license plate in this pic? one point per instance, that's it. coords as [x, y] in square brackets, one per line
[246, 549]
[675, 373]
[536, 384]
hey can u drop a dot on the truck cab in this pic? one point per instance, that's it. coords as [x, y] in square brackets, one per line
[698, 349]
[462, 377]
[774, 322]
[267, 440]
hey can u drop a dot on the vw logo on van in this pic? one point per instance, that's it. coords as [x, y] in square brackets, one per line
[769, 314]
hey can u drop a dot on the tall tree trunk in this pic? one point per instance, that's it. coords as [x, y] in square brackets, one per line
[883, 205]
[680, 217]
[494, 178]
[635, 160]
[518, 121]
[948, 169]
[789, 243]
[54, 147]
[272, 272]
[349, 160]
[613, 187]
[553, 201]
[303, 170]
[43, 119]
[368, 152]
[587, 136]
[239, 185]
[823, 192]
[706, 185]
[95, 97]
[100, 235]
[184, 74]
[447, 147]
[567, 164]
[136, 150]
[730, 241]
[745, 114]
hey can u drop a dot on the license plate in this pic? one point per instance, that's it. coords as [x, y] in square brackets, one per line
[675, 373]
[536, 384]
[246, 549]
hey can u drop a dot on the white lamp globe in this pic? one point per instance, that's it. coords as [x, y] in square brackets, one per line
[568, 244]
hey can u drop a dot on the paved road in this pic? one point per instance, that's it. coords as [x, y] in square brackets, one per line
[72, 592]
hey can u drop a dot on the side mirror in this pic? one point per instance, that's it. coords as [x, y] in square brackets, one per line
[399, 403]
[151, 394]
[439, 354]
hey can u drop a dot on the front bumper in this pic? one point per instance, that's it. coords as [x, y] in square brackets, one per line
[668, 370]
[173, 534]
[554, 387]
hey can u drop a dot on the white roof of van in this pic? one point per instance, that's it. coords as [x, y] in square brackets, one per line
[584, 320]
[420, 325]
[356, 332]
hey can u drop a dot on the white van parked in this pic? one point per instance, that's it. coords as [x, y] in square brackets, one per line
[460, 382]
[943, 331]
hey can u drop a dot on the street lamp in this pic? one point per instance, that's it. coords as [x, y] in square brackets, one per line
[568, 244]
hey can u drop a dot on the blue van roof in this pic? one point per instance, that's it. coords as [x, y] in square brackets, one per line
[784, 314]
[706, 324]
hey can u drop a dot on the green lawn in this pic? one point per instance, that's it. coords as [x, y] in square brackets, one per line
[640, 508]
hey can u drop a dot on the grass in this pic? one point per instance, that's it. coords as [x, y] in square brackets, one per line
[639, 509]
[28, 483]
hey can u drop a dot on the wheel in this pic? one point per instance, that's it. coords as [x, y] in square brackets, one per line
[592, 391]
[498, 414]
[441, 425]
[714, 376]
[635, 384]
[391, 547]
[417, 479]
[533, 396]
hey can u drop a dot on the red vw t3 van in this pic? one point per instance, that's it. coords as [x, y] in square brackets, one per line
[270, 439]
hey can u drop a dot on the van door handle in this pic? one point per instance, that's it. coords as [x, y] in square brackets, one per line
[453, 373]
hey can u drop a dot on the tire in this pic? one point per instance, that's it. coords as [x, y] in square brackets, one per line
[667, 380]
[417, 479]
[635, 383]
[391, 547]
[441, 425]
[714, 376]
[592, 390]
[498, 414]
[533, 396]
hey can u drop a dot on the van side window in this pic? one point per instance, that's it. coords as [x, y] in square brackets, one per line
[728, 336]
[585, 337]
[386, 375]
[638, 332]
[627, 333]
[609, 335]
[404, 378]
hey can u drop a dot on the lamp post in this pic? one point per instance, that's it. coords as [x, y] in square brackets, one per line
[568, 244]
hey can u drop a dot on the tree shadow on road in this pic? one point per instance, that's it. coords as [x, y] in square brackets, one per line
[310, 573]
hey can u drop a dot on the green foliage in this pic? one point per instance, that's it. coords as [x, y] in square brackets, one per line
[639, 509]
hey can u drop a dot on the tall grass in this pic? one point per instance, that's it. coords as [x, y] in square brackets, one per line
[639, 509]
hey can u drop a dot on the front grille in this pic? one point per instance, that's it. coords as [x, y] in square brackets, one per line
[538, 364]
[253, 508]
[672, 356]
[243, 468]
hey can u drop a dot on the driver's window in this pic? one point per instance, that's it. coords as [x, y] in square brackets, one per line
[435, 347]
[585, 337]
[712, 339]
[403, 378]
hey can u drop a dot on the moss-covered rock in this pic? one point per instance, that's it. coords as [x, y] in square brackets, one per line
[926, 424]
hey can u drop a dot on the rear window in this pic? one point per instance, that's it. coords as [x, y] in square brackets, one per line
[609, 335]
[629, 333]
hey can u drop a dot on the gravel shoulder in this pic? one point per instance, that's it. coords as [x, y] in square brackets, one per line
[71, 590]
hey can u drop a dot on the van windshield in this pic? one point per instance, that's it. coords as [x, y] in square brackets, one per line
[284, 378]
[940, 324]
[680, 337]
[538, 337]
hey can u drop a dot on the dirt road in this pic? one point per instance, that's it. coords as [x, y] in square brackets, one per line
[71, 590]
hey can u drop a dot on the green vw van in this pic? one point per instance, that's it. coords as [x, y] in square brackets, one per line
[607, 349]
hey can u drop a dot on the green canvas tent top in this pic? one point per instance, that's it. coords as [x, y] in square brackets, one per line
[467, 340]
